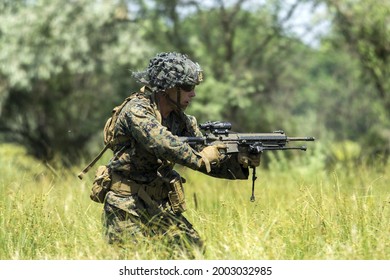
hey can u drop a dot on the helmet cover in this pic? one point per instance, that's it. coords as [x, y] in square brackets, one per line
[167, 70]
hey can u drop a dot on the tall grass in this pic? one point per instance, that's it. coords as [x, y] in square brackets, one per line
[298, 214]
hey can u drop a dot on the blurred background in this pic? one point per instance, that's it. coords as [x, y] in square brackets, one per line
[309, 67]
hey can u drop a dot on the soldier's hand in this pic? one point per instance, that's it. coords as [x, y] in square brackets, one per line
[247, 159]
[212, 155]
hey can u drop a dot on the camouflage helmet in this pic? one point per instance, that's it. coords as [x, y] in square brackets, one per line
[167, 70]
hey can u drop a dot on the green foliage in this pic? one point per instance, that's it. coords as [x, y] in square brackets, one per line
[62, 72]
[298, 214]
[364, 27]
[345, 153]
[14, 159]
[64, 65]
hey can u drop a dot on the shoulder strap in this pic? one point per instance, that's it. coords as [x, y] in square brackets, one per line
[92, 163]
[109, 143]
[115, 141]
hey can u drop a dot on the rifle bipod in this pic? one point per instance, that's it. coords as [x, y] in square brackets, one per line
[253, 183]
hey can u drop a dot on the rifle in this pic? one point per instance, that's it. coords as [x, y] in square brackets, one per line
[252, 143]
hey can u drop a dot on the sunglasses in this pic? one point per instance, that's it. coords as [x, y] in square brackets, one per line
[187, 87]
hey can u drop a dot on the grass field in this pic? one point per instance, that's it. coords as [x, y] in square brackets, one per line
[300, 213]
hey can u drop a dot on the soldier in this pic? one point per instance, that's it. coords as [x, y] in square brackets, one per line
[146, 196]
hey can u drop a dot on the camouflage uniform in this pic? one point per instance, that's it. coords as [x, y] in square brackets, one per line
[142, 168]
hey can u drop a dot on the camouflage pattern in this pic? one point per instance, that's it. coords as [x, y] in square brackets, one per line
[151, 141]
[147, 159]
[129, 219]
[166, 70]
[153, 145]
[149, 155]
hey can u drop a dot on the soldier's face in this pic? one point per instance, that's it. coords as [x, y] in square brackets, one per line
[185, 96]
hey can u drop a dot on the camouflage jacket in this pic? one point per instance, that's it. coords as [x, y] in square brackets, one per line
[154, 144]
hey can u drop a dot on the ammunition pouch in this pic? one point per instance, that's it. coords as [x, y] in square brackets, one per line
[149, 193]
[124, 186]
[101, 184]
[158, 190]
[176, 195]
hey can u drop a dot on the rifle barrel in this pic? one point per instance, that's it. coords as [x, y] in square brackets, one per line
[300, 138]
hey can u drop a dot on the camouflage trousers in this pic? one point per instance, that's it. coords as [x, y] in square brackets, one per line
[129, 219]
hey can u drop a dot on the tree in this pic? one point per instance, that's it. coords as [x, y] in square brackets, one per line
[63, 66]
[242, 47]
[365, 27]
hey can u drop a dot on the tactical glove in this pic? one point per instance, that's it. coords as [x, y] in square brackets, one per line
[248, 159]
[211, 155]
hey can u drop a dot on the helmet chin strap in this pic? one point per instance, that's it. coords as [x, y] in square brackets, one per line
[178, 100]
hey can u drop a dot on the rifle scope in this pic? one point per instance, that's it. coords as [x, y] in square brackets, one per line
[215, 126]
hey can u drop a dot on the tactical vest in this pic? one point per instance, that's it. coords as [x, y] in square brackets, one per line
[108, 132]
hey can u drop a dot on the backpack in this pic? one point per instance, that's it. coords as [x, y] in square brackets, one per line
[108, 135]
